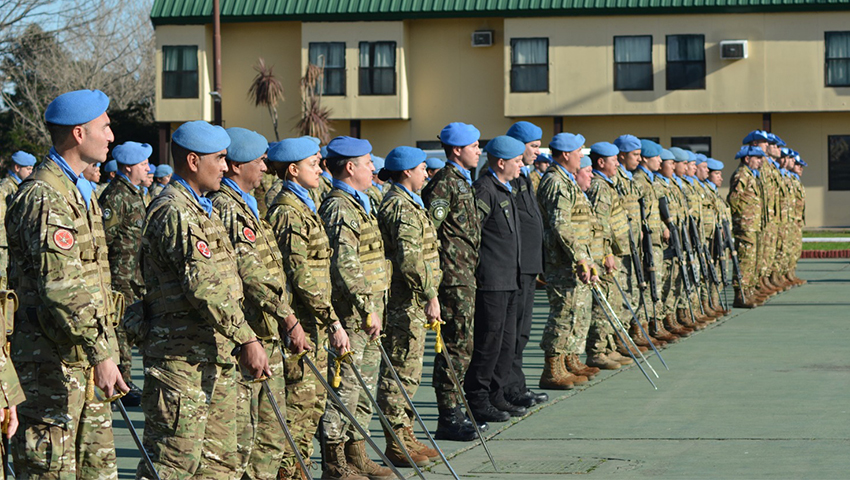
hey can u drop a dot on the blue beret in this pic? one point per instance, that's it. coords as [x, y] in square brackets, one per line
[404, 158]
[604, 149]
[292, 150]
[567, 142]
[459, 134]
[525, 132]
[778, 141]
[801, 162]
[151, 169]
[680, 154]
[131, 153]
[76, 108]
[504, 147]
[543, 158]
[348, 147]
[754, 136]
[748, 151]
[201, 137]
[786, 152]
[163, 171]
[649, 149]
[318, 142]
[667, 154]
[627, 143]
[692, 157]
[434, 163]
[324, 151]
[714, 165]
[700, 158]
[110, 166]
[378, 163]
[245, 145]
[23, 159]
[585, 162]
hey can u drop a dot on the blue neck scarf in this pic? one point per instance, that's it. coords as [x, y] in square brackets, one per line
[416, 198]
[328, 176]
[302, 193]
[361, 197]
[784, 172]
[15, 177]
[249, 199]
[526, 170]
[678, 180]
[463, 172]
[83, 185]
[540, 173]
[688, 179]
[163, 185]
[773, 162]
[794, 175]
[627, 173]
[570, 175]
[648, 173]
[711, 185]
[506, 184]
[204, 202]
[755, 171]
[663, 178]
[120, 174]
[603, 176]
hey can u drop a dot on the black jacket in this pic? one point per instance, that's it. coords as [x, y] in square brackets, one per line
[498, 257]
[531, 226]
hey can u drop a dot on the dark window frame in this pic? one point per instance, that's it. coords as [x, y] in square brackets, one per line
[618, 88]
[687, 141]
[684, 64]
[835, 184]
[517, 67]
[827, 59]
[366, 88]
[327, 70]
[179, 74]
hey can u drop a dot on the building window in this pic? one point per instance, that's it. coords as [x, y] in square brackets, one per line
[685, 62]
[837, 59]
[839, 162]
[331, 56]
[529, 65]
[377, 68]
[180, 72]
[633, 63]
[695, 144]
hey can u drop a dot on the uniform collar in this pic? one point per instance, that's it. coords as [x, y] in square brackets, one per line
[416, 198]
[647, 172]
[566, 172]
[302, 193]
[203, 202]
[506, 184]
[83, 185]
[247, 197]
[361, 198]
[604, 177]
[462, 171]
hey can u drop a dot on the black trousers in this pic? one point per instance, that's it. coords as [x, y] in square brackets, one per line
[525, 307]
[494, 346]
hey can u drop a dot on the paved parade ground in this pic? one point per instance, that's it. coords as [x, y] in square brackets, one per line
[761, 393]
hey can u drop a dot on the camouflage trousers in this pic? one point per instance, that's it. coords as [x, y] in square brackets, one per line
[569, 317]
[672, 288]
[125, 346]
[748, 258]
[335, 425]
[62, 435]
[600, 335]
[405, 345]
[190, 420]
[796, 247]
[630, 284]
[785, 247]
[305, 398]
[4, 263]
[260, 438]
[458, 311]
[660, 273]
[767, 249]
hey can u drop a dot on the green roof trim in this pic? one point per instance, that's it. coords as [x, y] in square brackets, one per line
[165, 12]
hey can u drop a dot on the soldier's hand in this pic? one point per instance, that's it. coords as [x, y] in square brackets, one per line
[107, 377]
[432, 310]
[252, 356]
[610, 264]
[375, 330]
[583, 272]
[297, 339]
[665, 235]
[12, 427]
[339, 341]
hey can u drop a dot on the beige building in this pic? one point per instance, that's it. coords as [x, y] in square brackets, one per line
[700, 77]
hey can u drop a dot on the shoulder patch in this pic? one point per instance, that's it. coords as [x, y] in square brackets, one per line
[203, 248]
[249, 234]
[439, 209]
[63, 239]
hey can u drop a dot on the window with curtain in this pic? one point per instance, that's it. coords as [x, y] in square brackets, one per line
[839, 162]
[331, 56]
[529, 65]
[633, 63]
[180, 71]
[685, 62]
[837, 59]
[695, 144]
[377, 68]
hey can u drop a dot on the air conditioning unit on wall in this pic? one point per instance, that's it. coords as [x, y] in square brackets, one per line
[482, 38]
[733, 49]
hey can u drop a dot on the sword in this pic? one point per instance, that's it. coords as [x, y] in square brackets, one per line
[286, 432]
[415, 412]
[346, 358]
[7, 418]
[439, 348]
[634, 315]
[136, 439]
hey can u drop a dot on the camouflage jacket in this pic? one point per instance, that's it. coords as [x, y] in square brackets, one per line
[259, 262]
[303, 242]
[318, 194]
[450, 201]
[59, 269]
[8, 187]
[567, 223]
[11, 392]
[156, 189]
[123, 217]
[769, 177]
[358, 266]
[272, 192]
[376, 194]
[745, 201]
[646, 191]
[194, 295]
[611, 214]
[411, 244]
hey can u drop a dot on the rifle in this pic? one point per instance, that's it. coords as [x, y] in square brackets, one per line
[721, 259]
[736, 267]
[664, 210]
[637, 268]
[705, 260]
[648, 259]
[689, 249]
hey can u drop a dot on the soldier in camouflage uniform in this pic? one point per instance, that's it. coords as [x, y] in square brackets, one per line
[376, 190]
[433, 165]
[798, 215]
[123, 207]
[162, 175]
[359, 283]
[11, 394]
[325, 180]
[746, 202]
[64, 338]
[266, 307]
[20, 168]
[450, 201]
[193, 323]
[708, 223]
[411, 244]
[568, 267]
[306, 261]
[768, 179]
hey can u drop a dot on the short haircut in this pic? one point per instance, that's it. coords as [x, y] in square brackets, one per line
[555, 152]
[336, 165]
[179, 153]
[59, 133]
[594, 158]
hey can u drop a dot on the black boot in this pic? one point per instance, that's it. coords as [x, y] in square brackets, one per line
[483, 426]
[538, 397]
[451, 426]
[510, 408]
[484, 411]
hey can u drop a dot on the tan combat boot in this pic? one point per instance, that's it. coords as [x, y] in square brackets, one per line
[655, 341]
[637, 336]
[683, 316]
[574, 366]
[395, 453]
[741, 302]
[602, 361]
[620, 359]
[359, 461]
[673, 327]
[336, 467]
[554, 375]
[413, 444]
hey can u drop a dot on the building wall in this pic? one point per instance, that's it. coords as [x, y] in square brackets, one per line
[185, 109]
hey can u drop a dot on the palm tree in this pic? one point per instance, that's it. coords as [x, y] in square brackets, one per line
[266, 90]
[315, 119]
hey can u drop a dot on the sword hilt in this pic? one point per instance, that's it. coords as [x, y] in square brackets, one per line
[338, 361]
[435, 326]
[260, 380]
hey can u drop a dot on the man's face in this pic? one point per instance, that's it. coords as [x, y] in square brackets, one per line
[468, 155]
[762, 144]
[609, 165]
[541, 166]
[96, 137]
[702, 171]
[211, 168]
[653, 163]
[583, 177]
[716, 177]
[148, 181]
[532, 150]
[681, 168]
[753, 162]
[24, 172]
[511, 168]
[91, 173]
[692, 169]
[774, 150]
[164, 180]
[667, 168]
[630, 160]
[138, 173]
[361, 172]
[574, 160]
[251, 173]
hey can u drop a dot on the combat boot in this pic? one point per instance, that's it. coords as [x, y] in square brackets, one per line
[451, 425]
[655, 341]
[739, 300]
[709, 311]
[657, 330]
[683, 316]
[554, 375]
[780, 282]
[574, 366]
[766, 288]
[673, 320]
[637, 336]
[620, 359]
[414, 445]
[336, 467]
[359, 461]
[675, 328]
[623, 349]
[602, 361]
[395, 452]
